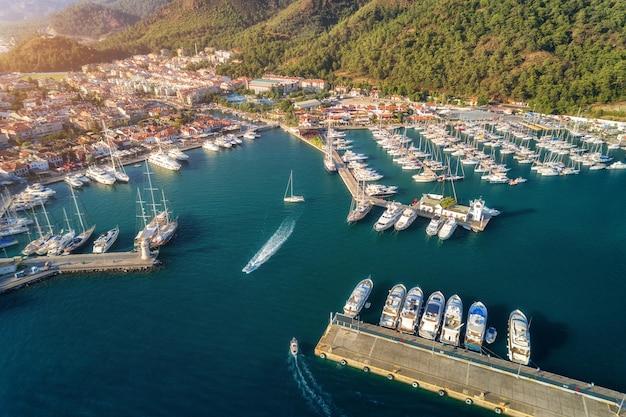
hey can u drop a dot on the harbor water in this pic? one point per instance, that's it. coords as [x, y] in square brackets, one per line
[200, 337]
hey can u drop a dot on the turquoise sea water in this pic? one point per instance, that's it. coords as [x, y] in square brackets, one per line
[199, 337]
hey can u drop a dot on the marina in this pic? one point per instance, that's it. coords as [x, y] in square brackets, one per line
[160, 324]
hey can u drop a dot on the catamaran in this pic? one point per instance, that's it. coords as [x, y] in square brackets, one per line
[289, 197]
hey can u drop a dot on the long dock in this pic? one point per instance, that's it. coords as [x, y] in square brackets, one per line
[50, 266]
[477, 379]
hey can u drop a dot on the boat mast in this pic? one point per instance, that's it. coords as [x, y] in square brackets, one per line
[45, 213]
[153, 204]
[78, 213]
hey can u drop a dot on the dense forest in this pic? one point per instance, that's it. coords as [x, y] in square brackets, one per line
[90, 20]
[557, 55]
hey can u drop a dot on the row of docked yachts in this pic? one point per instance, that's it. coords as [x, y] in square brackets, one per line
[438, 319]
[401, 217]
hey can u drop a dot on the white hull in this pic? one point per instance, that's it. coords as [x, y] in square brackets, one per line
[409, 316]
[162, 160]
[431, 319]
[476, 326]
[518, 340]
[389, 217]
[393, 305]
[452, 321]
[104, 242]
[358, 297]
[447, 229]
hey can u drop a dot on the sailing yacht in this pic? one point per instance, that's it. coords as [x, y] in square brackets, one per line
[79, 240]
[359, 206]
[37, 243]
[61, 240]
[116, 169]
[157, 227]
[289, 197]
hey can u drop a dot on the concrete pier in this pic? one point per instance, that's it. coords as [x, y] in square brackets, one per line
[477, 379]
[38, 269]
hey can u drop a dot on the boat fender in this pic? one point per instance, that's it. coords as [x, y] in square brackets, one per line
[344, 362]
[323, 355]
[415, 384]
[498, 410]
[469, 401]
[441, 393]
[366, 369]
[390, 377]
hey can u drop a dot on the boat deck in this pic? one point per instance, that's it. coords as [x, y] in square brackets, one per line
[474, 378]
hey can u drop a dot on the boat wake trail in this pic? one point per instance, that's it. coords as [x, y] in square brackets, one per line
[310, 389]
[271, 246]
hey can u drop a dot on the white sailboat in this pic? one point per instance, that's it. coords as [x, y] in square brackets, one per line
[289, 197]
[37, 243]
[79, 240]
[359, 206]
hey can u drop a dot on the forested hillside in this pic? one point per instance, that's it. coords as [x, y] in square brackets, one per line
[558, 55]
[90, 20]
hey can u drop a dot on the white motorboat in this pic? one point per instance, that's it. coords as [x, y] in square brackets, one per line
[433, 313]
[393, 305]
[104, 242]
[389, 217]
[250, 134]
[161, 159]
[435, 224]
[476, 326]
[452, 321]
[380, 190]
[358, 297]
[406, 219]
[289, 197]
[518, 339]
[99, 175]
[177, 154]
[71, 180]
[410, 313]
[293, 346]
[39, 190]
[448, 228]
[210, 146]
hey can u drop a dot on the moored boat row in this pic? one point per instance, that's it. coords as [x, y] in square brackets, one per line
[441, 320]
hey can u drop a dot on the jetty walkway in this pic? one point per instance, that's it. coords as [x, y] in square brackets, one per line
[41, 268]
[477, 379]
[459, 211]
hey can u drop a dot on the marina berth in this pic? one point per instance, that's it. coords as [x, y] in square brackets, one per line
[99, 175]
[476, 326]
[431, 319]
[434, 225]
[359, 210]
[452, 321]
[409, 215]
[448, 228]
[389, 217]
[161, 159]
[410, 313]
[393, 305]
[358, 297]
[104, 242]
[518, 339]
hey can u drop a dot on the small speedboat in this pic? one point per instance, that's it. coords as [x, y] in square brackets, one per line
[490, 335]
[293, 346]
